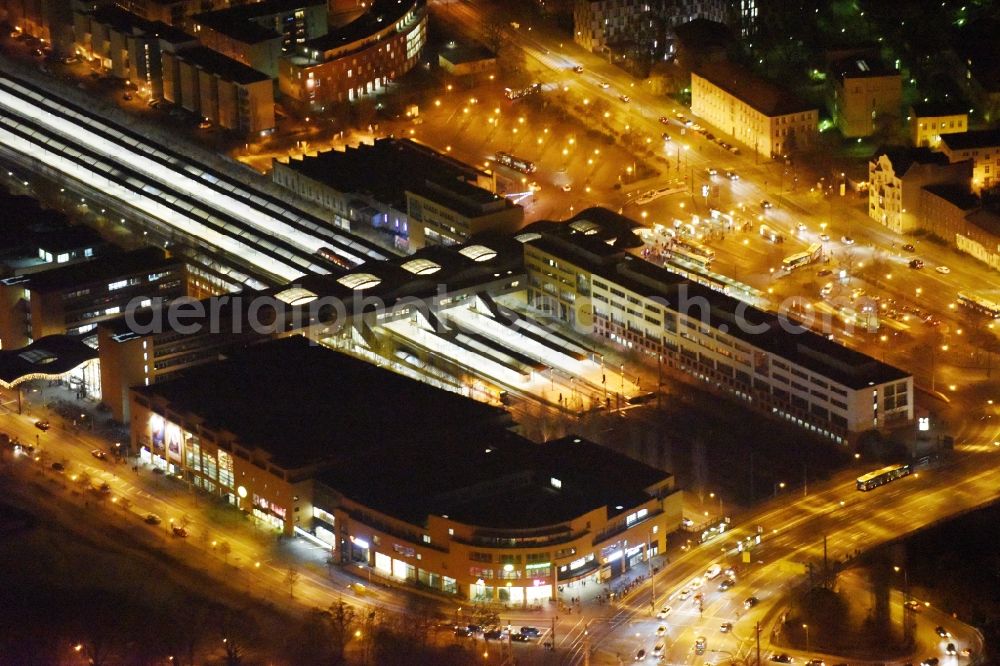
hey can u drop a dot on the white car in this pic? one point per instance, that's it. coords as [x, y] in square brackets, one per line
[605, 85]
[696, 582]
[684, 594]
[826, 290]
[625, 98]
[713, 571]
[801, 227]
[665, 611]
[847, 240]
[943, 270]
[567, 187]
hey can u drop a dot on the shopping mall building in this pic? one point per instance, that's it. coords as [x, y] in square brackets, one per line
[408, 481]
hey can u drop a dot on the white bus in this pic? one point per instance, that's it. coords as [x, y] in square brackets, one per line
[515, 163]
[799, 259]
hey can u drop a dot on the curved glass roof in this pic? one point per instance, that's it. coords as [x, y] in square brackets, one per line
[585, 227]
[359, 281]
[478, 252]
[296, 296]
[421, 266]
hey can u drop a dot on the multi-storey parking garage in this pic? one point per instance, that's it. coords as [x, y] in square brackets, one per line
[267, 237]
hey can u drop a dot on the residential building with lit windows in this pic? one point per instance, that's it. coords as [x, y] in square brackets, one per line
[256, 34]
[602, 25]
[982, 147]
[74, 298]
[866, 95]
[355, 59]
[420, 197]
[955, 215]
[928, 122]
[754, 112]
[896, 176]
[580, 273]
[128, 46]
[230, 94]
[418, 484]
[50, 21]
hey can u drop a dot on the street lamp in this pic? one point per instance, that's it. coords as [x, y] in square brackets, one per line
[781, 485]
[806, 627]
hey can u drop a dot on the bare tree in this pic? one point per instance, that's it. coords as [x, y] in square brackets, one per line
[343, 624]
[291, 579]
[225, 549]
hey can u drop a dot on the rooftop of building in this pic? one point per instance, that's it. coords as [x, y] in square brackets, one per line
[764, 330]
[861, 67]
[232, 24]
[904, 157]
[306, 405]
[987, 138]
[938, 109]
[460, 53]
[500, 481]
[105, 268]
[67, 239]
[51, 356]
[125, 21]
[986, 218]
[762, 95]
[383, 14]
[957, 195]
[401, 164]
[223, 66]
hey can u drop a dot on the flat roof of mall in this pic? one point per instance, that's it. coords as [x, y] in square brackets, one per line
[501, 482]
[305, 404]
[51, 356]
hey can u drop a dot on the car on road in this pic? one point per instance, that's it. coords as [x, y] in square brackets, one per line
[766, 205]
[58, 467]
[826, 290]
[180, 532]
[493, 633]
[950, 649]
[578, 69]
[43, 425]
[942, 632]
[684, 594]
[640, 654]
[750, 602]
[665, 137]
[605, 85]
[726, 627]
[801, 227]
[929, 661]
[824, 237]
[909, 248]
[152, 519]
[700, 644]
[713, 571]
[660, 630]
[104, 488]
[462, 632]
[914, 605]
[726, 584]
[530, 631]
[665, 611]
[664, 120]
[815, 662]
[100, 455]
[781, 658]
[712, 171]
[567, 188]
[696, 582]
[915, 264]
[625, 98]
[847, 240]
[520, 638]
[732, 175]
[943, 270]
[658, 649]
[824, 272]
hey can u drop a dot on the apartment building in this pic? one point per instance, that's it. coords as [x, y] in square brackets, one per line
[579, 273]
[601, 25]
[895, 178]
[228, 93]
[257, 34]
[74, 298]
[866, 95]
[355, 59]
[928, 122]
[50, 21]
[955, 215]
[421, 197]
[982, 147]
[754, 112]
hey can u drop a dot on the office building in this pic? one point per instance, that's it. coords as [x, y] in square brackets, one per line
[895, 178]
[74, 298]
[866, 95]
[408, 191]
[603, 26]
[226, 92]
[431, 489]
[355, 59]
[928, 122]
[754, 112]
[257, 34]
[580, 274]
[982, 147]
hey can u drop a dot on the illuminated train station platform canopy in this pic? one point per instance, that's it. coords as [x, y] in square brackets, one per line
[50, 357]
[308, 405]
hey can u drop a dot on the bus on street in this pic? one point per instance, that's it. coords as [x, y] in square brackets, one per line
[800, 259]
[980, 304]
[515, 163]
[880, 477]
